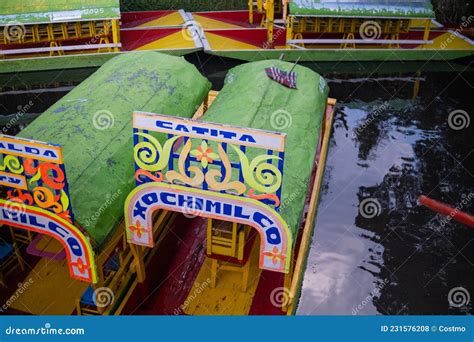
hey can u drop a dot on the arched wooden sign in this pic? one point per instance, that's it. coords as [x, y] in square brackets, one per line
[34, 175]
[143, 201]
[78, 249]
[213, 170]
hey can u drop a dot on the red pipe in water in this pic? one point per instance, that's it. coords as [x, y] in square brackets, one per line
[445, 209]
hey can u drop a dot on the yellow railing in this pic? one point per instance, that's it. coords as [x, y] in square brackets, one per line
[348, 25]
[56, 33]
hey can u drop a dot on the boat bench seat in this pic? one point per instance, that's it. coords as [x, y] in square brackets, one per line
[234, 263]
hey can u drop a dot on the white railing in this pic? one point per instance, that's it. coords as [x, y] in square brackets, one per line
[59, 48]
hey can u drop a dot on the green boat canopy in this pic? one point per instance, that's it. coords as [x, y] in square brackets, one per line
[93, 124]
[251, 99]
[50, 11]
[363, 8]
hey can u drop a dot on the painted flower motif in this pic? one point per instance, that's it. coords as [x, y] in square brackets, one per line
[275, 255]
[79, 264]
[138, 229]
[204, 154]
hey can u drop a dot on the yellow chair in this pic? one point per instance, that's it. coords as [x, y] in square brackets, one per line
[299, 36]
[348, 43]
[21, 236]
[104, 40]
[58, 45]
[228, 246]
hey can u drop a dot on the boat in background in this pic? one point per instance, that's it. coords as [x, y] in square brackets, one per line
[86, 34]
[333, 31]
[78, 34]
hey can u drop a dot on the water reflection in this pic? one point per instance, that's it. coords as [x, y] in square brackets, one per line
[375, 250]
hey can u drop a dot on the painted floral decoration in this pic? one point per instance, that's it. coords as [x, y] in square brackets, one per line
[204, 154]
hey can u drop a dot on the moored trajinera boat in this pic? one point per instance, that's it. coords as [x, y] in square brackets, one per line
[218, 211]
[74, 34]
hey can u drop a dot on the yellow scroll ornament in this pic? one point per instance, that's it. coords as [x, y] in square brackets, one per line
[211, 175]
[146, 153]
[267, 178]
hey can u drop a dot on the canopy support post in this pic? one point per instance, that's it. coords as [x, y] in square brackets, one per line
[289, 31]
[426, 34]
[115, 34]
[250, 11]
[285, 9]
[270, 9]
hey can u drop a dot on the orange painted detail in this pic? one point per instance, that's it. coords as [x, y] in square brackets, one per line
[138, 229]
[45, 170]
[272, 197]
[157, 178]
[275, 255]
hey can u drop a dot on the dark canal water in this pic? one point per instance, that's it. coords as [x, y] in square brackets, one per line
[375, 249]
